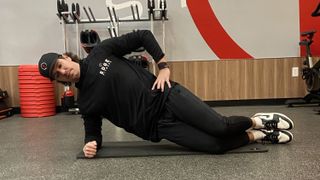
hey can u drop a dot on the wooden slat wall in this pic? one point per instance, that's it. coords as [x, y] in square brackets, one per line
[240, 79]
[211, 80]
[9, 82]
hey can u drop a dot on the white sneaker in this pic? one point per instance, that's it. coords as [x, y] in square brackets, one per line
[275, 121]
[276, 136]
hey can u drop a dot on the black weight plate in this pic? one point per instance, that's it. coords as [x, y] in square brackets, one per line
[78, 9]
[59, 7]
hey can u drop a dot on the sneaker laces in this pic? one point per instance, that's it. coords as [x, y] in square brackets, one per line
[271, 137]
[271, 124]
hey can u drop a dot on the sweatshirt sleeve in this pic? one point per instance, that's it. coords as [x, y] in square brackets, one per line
[92, 127]
[129, 42]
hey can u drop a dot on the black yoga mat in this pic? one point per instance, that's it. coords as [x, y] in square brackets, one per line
[163, 148]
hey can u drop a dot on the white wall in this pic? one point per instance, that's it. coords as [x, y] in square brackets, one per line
[265, 28]
[28, 28]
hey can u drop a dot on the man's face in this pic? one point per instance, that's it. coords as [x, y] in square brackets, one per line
[66, 70]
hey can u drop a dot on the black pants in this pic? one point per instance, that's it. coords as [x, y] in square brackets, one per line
[189, 122]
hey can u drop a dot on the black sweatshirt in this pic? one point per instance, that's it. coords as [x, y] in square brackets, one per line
[114, 88]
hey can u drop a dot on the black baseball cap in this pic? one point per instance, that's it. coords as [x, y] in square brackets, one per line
[46, 64]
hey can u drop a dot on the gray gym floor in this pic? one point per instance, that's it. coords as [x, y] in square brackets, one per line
[46, 148]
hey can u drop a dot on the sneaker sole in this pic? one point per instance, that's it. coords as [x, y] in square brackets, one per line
[291, 124]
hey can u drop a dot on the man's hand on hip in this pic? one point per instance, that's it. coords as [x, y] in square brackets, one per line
[163, 77]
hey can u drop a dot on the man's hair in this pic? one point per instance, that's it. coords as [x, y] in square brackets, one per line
[73, 56]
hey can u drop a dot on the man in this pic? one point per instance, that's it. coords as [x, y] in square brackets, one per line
[153, 108]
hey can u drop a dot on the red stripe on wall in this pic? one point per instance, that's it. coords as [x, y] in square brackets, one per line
[307, 23]
[212, 31]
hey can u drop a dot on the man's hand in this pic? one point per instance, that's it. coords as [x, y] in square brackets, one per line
[90, 149]
[163, 77]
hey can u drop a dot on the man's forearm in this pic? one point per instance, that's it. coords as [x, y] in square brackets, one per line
[163, 59]
[92, 127]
